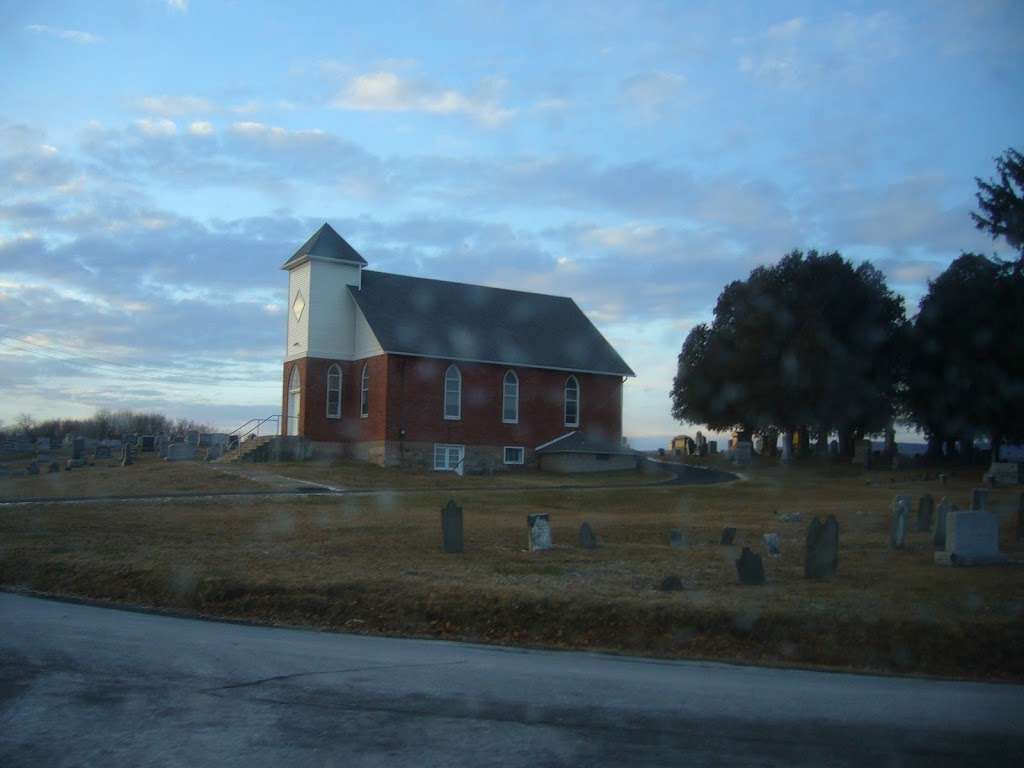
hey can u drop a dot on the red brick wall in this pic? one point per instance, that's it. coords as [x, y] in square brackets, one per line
[408, 393]
[416, 400]
[350, 428]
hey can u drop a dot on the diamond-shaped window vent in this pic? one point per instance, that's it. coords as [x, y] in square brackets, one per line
[298, 305]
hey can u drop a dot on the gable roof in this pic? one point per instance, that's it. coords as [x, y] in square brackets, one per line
[325, 243]
[436, 318]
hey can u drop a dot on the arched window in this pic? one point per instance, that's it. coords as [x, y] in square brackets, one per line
[452, 394]
[364, 394]
[294, 401]
[510, 398]
[572, 402]
[334, 392]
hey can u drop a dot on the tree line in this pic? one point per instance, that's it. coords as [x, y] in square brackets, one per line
[105, 423]
[815, 346]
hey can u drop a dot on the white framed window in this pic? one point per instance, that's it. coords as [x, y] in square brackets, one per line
[294, 401]
[510, 398]
[364, 393]
[514, 454]
[449, 458]
[572, 402]
[334, 392]
[453, 393]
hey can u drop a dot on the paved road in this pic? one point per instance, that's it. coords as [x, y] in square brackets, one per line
[81, 685]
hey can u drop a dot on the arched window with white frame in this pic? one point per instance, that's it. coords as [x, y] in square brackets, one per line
[294, 401]
[452, 393]
[510, 398]
[334, 392]
[572, 402]
[364, 393]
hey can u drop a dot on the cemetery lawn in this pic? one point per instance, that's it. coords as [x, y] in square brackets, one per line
[373, 564]
[147, 476]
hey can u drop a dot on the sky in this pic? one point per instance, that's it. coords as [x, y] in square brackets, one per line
[160, 160]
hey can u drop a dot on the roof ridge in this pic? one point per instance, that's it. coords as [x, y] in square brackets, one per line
[468, 285]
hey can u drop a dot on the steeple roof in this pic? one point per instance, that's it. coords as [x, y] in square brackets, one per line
[325, 243]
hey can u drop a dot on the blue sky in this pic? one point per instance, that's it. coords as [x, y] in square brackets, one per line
[159, 160]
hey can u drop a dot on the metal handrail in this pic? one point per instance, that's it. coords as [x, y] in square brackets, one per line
[255, 430]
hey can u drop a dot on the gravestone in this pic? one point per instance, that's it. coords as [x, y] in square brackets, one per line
[862, 453]
[713, 447]
[833, 448]
[587, 538]
[540, 532]
[676, 539]
[941, 519]
[925, 511]
[214, 452]
[822, 552]
[743, 452]
[702, 444]
[728, 536]
[898, 527]
[451, 527]
[979, 499]
[771, 542]
[1002, 473]
[148, 443]
[972, 538]
[102, 451]
[750, 568]
[126, 455]
[78, 448]
[180, 452]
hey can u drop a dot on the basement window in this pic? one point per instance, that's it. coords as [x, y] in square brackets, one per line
[514, 455]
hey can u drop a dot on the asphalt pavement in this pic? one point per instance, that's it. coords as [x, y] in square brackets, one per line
[82, 685]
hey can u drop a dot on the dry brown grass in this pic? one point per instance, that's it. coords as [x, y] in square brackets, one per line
[361, 476]
[373, 563]
[148, 475]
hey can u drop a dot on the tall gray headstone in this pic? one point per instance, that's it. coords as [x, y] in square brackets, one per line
[771, 542]
[979, 499]
[941, 520]
[972, 538]
[540, 532]
[743, 452]
[78, 448]
[451, 527]
[898, 527]
[822, 556]
[750, 568]
[587, 538]
[925, 512]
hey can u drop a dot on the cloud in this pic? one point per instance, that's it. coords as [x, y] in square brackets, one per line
[174, 106]
[648, 95]
[153, 128]
[181, 6]
[800, 52]
[200, 128]
[74, 35]
[384, 91]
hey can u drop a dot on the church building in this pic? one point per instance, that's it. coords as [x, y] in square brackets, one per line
[409, 371]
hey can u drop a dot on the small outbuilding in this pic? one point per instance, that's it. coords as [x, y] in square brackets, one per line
[580, 452]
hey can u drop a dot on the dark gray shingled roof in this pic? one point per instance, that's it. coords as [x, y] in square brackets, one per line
[326, 244]
[581, 442]
[436, 318]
